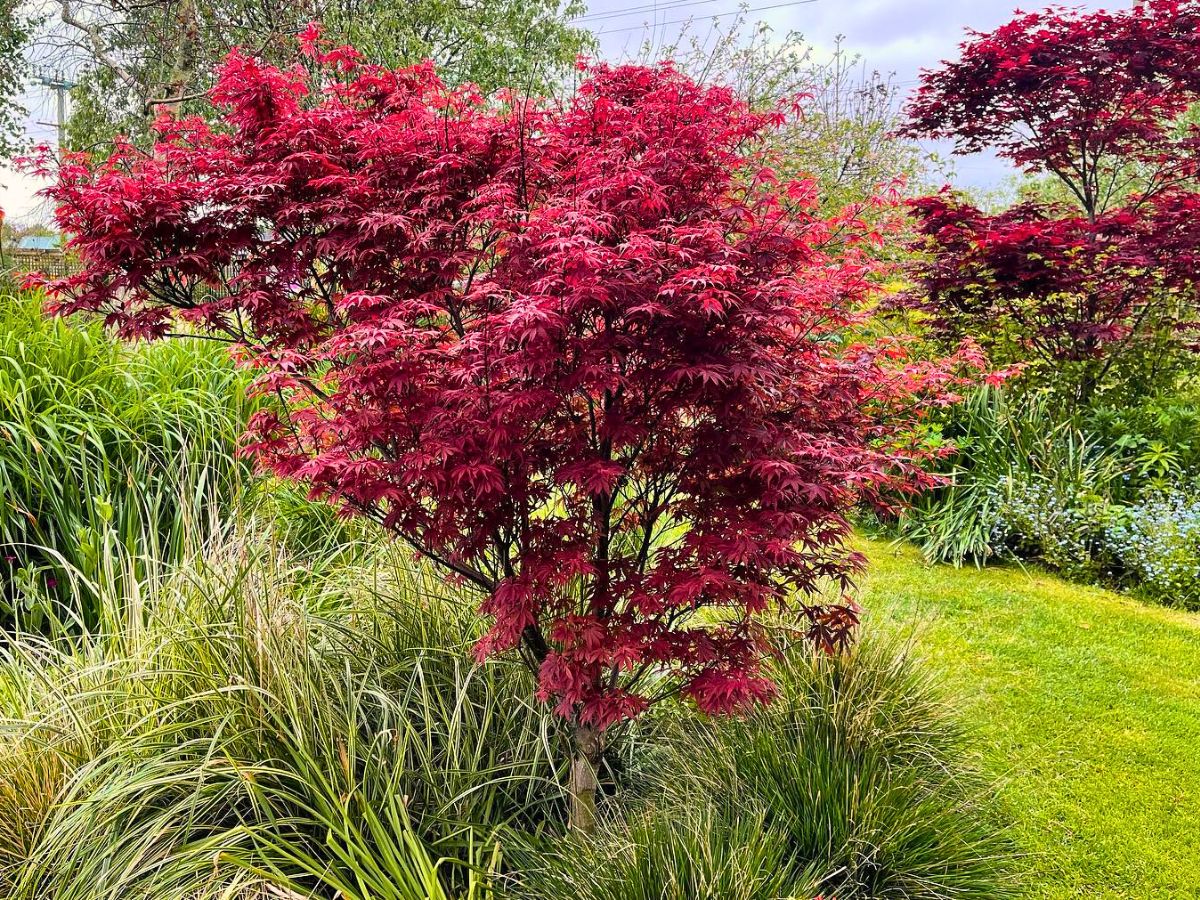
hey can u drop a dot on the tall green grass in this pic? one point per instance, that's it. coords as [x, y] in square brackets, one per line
[853, 784]
[1002, 444]
[105, 447]
[257, 726]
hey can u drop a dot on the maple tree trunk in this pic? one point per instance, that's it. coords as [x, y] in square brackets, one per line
[1087, 385]
[587, 749]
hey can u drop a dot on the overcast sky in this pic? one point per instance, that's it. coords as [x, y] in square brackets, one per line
[894, 37]
[898, 37]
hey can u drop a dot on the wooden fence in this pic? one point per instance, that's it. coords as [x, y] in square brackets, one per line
[55, 263]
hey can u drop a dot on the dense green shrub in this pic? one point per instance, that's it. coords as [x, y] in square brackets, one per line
[1159, 437]
[851, 785]
[1099, 497]
[1060, 525]
[1020, 480]
[106, 450]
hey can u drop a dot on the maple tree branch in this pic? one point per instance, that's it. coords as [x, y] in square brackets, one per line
[178, 99]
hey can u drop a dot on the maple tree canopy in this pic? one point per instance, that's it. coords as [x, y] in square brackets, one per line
[1100, 102]
[590, 357]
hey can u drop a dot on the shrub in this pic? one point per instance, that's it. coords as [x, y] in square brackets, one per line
[853, 784]
[106, 450]
[1157, 540]
[1158, 436]
[1061, 525]
[1022, 481]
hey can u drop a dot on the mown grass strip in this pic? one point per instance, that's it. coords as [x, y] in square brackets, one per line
[1089, 706]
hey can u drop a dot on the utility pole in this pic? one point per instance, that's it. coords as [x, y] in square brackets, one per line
[60, 85]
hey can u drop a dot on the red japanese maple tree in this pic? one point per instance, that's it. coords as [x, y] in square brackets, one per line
[588, 357]
[1096, 101]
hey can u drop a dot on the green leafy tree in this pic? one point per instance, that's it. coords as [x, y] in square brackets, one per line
[494, 43]
[14, 32]
[134, 59]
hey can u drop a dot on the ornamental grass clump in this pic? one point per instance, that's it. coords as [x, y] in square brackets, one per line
[853, 784]
[256, 732]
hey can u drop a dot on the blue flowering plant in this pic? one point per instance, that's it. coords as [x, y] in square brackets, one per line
[1157, 542]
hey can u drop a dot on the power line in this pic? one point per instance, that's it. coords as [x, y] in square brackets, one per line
[633, 10]
[735, 12]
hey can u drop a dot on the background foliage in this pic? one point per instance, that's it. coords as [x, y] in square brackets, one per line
[107, 451]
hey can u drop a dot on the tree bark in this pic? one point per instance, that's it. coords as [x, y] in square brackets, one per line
[587, 750]
[183, 69]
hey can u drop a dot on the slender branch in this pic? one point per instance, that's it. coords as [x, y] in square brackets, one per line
[96, 41]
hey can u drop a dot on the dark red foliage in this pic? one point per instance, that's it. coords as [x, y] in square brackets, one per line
[1076, 289]
[1098, 101]
[1069, 92]
[590, 358]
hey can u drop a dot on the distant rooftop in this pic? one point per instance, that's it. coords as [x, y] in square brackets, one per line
[39, 242]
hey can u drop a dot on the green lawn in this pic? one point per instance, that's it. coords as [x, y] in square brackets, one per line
[1088, 707]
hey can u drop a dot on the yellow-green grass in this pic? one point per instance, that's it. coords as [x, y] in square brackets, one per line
[1088, 707]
